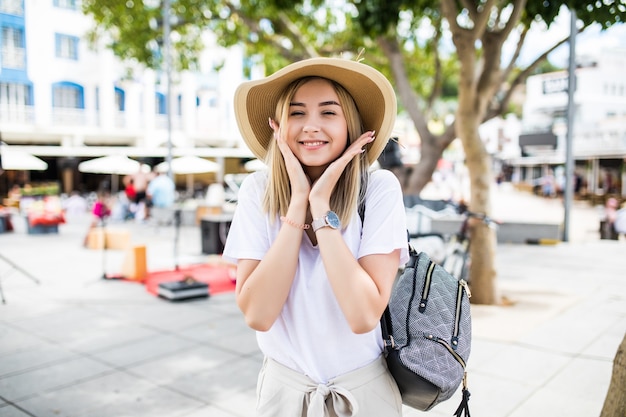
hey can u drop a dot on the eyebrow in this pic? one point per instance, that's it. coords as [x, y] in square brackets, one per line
[323, 103]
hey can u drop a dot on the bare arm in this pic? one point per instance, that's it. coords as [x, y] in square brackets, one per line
[263, 286]
[362, 288]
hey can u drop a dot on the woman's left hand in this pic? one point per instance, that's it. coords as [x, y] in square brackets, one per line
[323, 187]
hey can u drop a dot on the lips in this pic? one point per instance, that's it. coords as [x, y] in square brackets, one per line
[312, 143]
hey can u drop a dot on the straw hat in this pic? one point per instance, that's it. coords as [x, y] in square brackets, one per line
[255, 101]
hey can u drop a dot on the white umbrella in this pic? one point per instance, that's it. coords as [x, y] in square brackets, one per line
[112, 164]
[21, 161]
[189, 165]
[254, 165]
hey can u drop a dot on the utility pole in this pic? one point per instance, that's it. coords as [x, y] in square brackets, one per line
[569, 163]
[168, 74]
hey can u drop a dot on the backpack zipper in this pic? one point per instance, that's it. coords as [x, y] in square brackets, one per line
[457, 314]
[426, 289]
[448, 347]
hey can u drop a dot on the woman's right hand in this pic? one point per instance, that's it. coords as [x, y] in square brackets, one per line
[300, 183]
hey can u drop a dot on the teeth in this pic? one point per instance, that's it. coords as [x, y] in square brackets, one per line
[313, 143]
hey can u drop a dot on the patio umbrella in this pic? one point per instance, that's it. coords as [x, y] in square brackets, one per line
[14, 160]
[254, 165]
[111, 164]
[189, 165]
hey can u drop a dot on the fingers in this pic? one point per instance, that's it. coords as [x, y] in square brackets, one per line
[356, 148]
[300, 183]
[327, 182]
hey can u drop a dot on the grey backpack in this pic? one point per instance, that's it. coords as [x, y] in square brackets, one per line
[427, 333]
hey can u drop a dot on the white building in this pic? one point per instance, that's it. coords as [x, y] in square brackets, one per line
[65, 102]
[599, 128]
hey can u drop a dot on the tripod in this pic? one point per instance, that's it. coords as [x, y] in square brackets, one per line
[104, 252]
[17, 268]
[177, 221]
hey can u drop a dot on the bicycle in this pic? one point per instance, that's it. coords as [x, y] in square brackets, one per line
[457, 260]
[456, 256]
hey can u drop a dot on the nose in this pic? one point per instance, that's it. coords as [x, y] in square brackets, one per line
[310, 128]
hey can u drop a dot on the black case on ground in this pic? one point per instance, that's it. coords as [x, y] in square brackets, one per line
[183, 290]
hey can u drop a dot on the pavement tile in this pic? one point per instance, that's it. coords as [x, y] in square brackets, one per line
[238, 405]
[160, 315]
[57, 375]
[483, 351]
[495, 401]
[115, 394]
[11, 411]
[516, 364]
[214, 411]
[145, 350]
[15, 339]
[605, 345]
[220, 383]
[32, 357]
[86, 333]
[155, 402]
[571, 393]
[87, 395]
[182, 364]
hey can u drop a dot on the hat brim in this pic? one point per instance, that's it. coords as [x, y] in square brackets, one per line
[255, 101]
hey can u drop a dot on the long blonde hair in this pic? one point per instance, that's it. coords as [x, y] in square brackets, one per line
[350, 188]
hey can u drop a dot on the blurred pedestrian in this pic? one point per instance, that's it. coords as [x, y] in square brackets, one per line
[548, 185]
[131, 199]
[100, 212]
[140, 184]
[619, 224]
[607, 225]
[75, 206]
[161, 191]
[160, 196]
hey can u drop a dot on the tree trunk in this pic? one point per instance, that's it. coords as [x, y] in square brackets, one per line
[422, 172]
[483, 247]
[615, 402]
[470, 112]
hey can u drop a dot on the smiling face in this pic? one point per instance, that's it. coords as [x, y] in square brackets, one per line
[317, 131]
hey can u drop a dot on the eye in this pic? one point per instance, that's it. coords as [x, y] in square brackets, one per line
[329, 113]
[296, 113]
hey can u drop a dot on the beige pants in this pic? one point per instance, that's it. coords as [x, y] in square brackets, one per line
[366, 392]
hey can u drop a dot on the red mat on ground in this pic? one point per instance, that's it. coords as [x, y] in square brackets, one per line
[219, 277]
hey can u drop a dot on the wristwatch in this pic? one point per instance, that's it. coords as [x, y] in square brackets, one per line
[330, 219]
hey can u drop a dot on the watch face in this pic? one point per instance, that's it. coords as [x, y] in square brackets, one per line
[333, 220]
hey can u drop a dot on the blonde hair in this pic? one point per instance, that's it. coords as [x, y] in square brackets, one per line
[350, 188]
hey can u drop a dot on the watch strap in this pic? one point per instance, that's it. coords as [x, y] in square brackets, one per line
[317, 224]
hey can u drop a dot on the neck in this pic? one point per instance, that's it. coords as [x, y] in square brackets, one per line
[314, 172]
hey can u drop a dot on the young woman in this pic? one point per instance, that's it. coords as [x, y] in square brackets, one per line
[314, 272]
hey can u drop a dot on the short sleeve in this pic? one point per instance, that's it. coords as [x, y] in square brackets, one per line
[248, 236]
[384, 222]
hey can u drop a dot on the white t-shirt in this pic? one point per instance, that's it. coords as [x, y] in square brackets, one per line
[311, 334]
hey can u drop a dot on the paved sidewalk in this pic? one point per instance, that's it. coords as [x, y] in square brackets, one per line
[77, 345]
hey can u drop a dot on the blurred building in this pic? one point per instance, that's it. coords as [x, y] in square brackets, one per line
[599, 129]
[65, 101]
